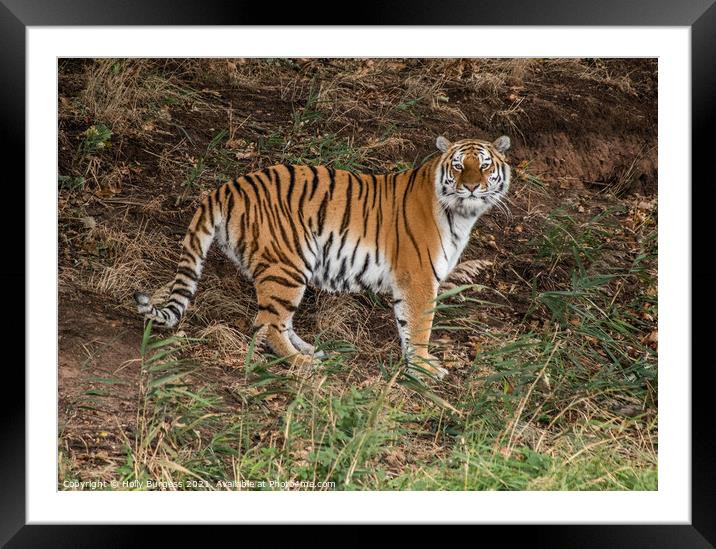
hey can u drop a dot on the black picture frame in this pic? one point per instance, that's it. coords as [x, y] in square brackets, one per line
[699, 15]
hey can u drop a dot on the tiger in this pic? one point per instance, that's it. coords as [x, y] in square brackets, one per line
[288, 226]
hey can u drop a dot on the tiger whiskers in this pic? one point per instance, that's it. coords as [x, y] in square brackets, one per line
[503, 208]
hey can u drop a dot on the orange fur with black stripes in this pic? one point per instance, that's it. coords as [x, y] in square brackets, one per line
[289, 226]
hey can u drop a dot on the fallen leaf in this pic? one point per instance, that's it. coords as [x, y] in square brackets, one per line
[652, 339]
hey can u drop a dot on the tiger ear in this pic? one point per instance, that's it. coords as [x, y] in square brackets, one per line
[442, 144]
[502, 143]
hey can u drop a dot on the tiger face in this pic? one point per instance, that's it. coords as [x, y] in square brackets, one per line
[473, 175]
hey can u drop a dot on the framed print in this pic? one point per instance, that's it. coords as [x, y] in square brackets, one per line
[408, 271]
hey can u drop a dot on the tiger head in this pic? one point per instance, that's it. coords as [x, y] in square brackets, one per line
[472, 175]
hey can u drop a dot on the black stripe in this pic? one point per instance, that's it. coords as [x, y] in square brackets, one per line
[210, 208]
[303, 198]
[284, 259]
[243, 225]
[268, 256]
[181, 282]
[297, 276]
[392, 179]
[375, 190]
[279, 280]
[229, 210]
[347, 212]
[322, 214]
[435, 273]
[331, 181]
[277, 179]
[205, 230]
[342, 270]
[183, 292]
[270, 308]
[284, 235]
[173, 309]
[188, 273]
[260, 191]
[260, 268]
[360, 186]
[291, 183]
[452, 228]
[194, 241]
[279, 252]
[187, 255]
[200, 221]
[440, 236]
[379, 221]
[314, 182]
[405, 216]
[272, 230]
[254, 243]
[355, 249]
[327, 247]
[366, 264]
[343, 243]
[396, 216]
[366, 211]
[284, 303]
[297, 242]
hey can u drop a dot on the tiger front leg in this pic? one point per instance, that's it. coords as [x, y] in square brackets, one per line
[414, 306]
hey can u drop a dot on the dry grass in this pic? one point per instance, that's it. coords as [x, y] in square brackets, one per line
[123, 266]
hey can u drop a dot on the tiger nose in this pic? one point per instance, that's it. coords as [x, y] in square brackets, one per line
[471, 186]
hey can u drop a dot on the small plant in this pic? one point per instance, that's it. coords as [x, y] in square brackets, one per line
[70, 183]
[523, 173]
[195, 173]
[569, 242]
[95, 138]
[214, 156]
[310, 113]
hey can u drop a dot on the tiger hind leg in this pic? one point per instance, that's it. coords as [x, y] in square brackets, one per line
[305, 347]
[302, 346]
[277, 304]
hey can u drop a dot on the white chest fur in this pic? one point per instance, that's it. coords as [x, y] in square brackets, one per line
[455, 231]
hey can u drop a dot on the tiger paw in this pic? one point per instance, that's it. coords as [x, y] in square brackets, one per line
[305, 365]
[440, 373]
[430, 366]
